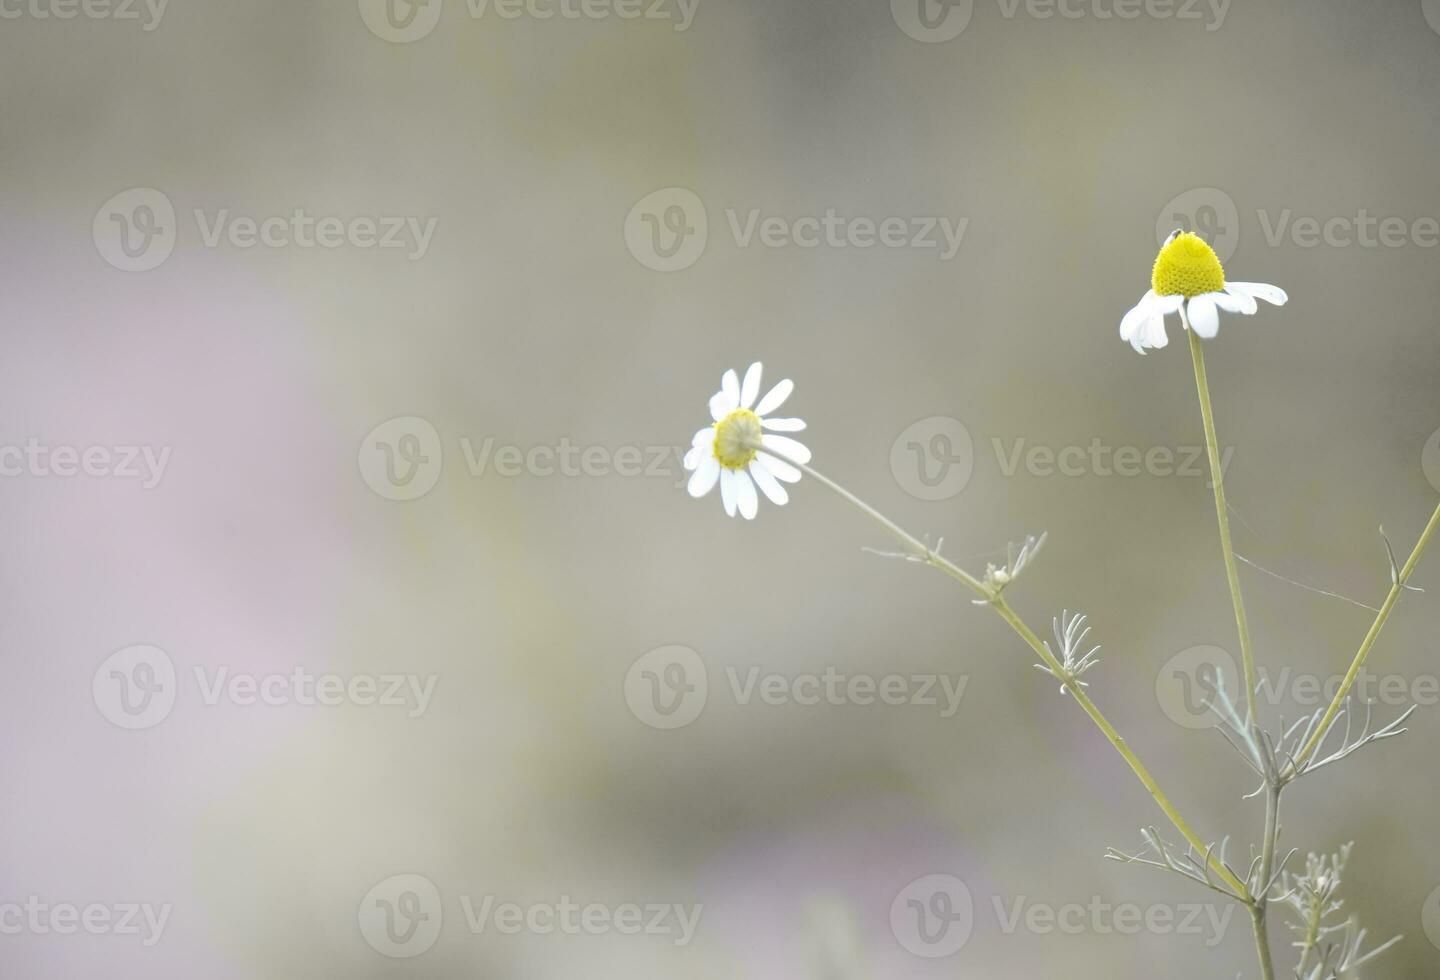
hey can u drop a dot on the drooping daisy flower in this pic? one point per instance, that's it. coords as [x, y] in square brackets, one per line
[732, 450]
[1189, 279]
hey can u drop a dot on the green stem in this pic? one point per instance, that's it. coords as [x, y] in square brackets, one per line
[993, 597]
[1260, 899]
[1312, 935]
[1222, 514]
[917, 547]
[1120, 745]
[1396, 588]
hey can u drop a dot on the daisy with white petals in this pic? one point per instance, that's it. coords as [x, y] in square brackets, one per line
[1188, 279]
[733, 450]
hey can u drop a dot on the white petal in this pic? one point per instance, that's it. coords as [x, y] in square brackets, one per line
[751, 387]
[693, 456]
[1204, 317]
[1235, 301]
[775, 397]
[704, 438]
[767, 483]
[1131, 322]
[778, 468]
[704, 478]
[1260, 290]
[748, 502]
[730, 384]
[722, 403]
[788, 448]
[783, 425]
[728, 490]
[1169, 304]
[1152, 333]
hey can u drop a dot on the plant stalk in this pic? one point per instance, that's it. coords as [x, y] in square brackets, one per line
[1222, 515]
[993, 597]
[1396, 588]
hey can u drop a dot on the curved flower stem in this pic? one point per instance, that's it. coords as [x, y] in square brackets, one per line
[913, 544]
[1396, 588]
[1120, 745]
[1217, 480]
[923, 553]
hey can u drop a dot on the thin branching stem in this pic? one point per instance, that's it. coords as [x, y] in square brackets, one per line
[1397, 586]
[993, 598]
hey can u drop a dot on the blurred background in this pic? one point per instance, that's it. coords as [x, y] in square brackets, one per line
[357, 622]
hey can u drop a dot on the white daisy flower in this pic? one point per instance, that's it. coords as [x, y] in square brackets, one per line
[731, 451]
[1188, 279]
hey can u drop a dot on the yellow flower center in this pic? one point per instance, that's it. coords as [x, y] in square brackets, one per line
[736, 435]
[1187, 266]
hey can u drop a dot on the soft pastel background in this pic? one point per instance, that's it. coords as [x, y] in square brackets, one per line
[529, 321]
